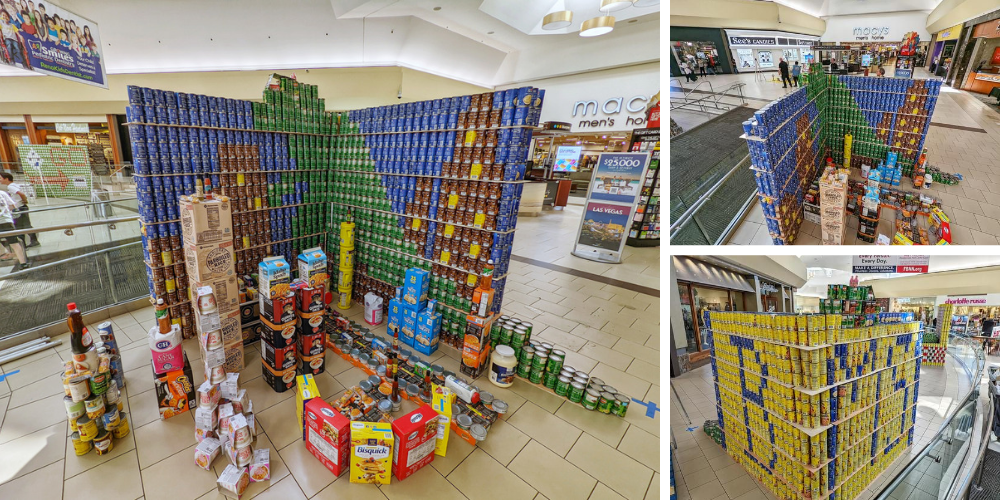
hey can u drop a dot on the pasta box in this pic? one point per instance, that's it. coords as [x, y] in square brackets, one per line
[273, 278]
[415, 437]
[327, 435]
[371, 452]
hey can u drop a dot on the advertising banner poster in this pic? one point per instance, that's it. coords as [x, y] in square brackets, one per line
[567, 159]
[57, 171]
[52, 41]
[746, 58]
[618, 177]
[891, 264]
[604, 226]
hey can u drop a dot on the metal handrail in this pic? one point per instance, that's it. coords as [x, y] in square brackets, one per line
[18, 274]
[688, 214]
[63, 227]
[976, 469]
[713, 96]
[75, 205]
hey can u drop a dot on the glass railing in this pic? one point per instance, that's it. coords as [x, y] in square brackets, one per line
[89, 252]
[942, 468]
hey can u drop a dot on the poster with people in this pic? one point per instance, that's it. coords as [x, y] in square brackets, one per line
[618, 177]
[604, 226]
[765, 59]
[746, 58]
[45, 38]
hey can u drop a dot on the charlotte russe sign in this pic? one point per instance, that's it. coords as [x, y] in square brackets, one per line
[862, 33]
[611, 109]
[968, 300]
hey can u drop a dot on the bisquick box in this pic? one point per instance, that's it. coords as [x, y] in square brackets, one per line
[416, 438]
[328, 435]
[279, 380]
[206, 221]
[278, 358]
[305, 391]
[371, 452]
[209, 262]
[278, 336]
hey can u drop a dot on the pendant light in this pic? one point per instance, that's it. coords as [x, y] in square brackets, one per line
[597, 26]
[557, 20]
[646, 3]
[615, 5]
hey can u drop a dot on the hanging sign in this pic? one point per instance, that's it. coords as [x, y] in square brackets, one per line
[70, 48]
[901, 264]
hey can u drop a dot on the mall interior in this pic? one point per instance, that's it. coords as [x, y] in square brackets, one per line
[330, 249]
[908, 89]
[869, 377]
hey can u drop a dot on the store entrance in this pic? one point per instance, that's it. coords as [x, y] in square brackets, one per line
[696, 53]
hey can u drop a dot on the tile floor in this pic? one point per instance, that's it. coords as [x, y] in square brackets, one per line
[973, 205]
[546, 447]
[704, 471]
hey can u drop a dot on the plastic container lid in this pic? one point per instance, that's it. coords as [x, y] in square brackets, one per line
[505, 351]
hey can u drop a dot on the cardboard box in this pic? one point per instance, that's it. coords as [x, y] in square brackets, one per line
[227, 294]
[278, 358]
[206, 221]
[279, 380]
[305, 391]
[415, 437]
[233, 481]
[312, 267]
[311, 345]
[210, 262]
[371, 452]
[231, 331]
[273, 278]
[311, 299]
[278, 310]
[328, 435]
[476, 345]
[416, 287]
[395, 314]
[442, 398]
[409, 327]
[175, 391]
[278, 335]
[234, 357]
[428, 330]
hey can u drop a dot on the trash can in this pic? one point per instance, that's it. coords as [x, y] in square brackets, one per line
[373, 309]
[101, 210]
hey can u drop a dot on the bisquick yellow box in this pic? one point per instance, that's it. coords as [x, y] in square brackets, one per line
[371, 452]
[305, 390]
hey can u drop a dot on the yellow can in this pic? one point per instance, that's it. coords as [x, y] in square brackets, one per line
[122, 429]
[87, 428]
[79, 446]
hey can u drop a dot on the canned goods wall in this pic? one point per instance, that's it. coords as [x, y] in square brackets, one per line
[816, 405]
[788, 138]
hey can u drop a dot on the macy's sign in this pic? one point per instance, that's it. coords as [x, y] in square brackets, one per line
[611, 107]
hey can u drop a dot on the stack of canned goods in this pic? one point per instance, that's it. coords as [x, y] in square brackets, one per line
[93, 401]
[293, 106]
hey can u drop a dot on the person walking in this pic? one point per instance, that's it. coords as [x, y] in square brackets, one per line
[21, 218]
[702, 68]
[686, 70]
[796, 71]
[7, 224]
[783, 68]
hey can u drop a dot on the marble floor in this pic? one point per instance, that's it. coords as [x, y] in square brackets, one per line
[546, 447]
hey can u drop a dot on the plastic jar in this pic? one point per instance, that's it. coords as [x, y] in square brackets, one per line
[502, 366]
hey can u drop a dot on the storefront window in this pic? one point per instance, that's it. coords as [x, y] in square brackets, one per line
[709, 299]
[770, 297]
[696, 53]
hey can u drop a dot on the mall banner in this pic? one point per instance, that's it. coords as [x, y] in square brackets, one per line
[57, 171]
[50, 40]
[618, 177]
[611, 204]
[890, 264]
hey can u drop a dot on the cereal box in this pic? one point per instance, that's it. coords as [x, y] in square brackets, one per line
[443, 398]
[327, 435]
[415, 437]
[209, 262]
[206, 221]
[312, 267]
[416, 287]
[371, 452]
[305, 391]
[260, 466]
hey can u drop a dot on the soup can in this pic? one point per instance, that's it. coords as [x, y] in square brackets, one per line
[87, 428]
[519, 336]
[620, 407]
[80, 446]
[74, 409]
[540, 361]
[555, 363]
[590, 399]
[562, 385]
[576, 390]
[122, 430]
[535, 376]
[103, 443]
[549, 380]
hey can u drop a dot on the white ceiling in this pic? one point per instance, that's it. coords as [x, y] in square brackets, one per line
[825, 270]
[827, 8]
[481, 42]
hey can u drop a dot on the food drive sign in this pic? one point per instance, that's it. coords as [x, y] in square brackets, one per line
[900, 264]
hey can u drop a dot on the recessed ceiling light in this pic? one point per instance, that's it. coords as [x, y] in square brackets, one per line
[613, 5]
[631, 21]
[597, 26]
[437, 8]
[557, 20]
[490, 32]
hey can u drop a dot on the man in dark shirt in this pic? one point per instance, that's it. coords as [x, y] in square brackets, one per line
[783, 68]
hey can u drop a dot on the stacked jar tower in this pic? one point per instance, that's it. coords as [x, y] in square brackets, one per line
[433, 184]
[815, 406]
[345, 276]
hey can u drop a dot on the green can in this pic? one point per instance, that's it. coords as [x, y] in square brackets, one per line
[519, 336]
[620, 407]
[562, 385]
[540, 361]
[550, 380]
[527, 326]
[527, 355]
[576, 390]
[535, 377]
[524, 370]
[506, 332]
[555, 363]
[605, 402]
[515, 321]
[590, 399]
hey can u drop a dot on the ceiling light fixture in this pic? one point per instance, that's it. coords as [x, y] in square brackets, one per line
[646, 3]
[597, 26]
[614, 5]
[557, 20]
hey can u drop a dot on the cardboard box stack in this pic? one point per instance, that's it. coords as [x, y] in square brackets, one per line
[833, 205]
[310, 292]
[478, 326]
[413, 316]
[279, 333]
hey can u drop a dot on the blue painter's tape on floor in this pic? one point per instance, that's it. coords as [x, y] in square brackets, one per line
[651, 407]
[3, 376]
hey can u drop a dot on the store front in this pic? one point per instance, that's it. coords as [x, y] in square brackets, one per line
[573, 156]
[969, 312]
[983, 71]
[943, 52]
[697, 45]
[921, 307]
[101, 143]
[763, 50]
